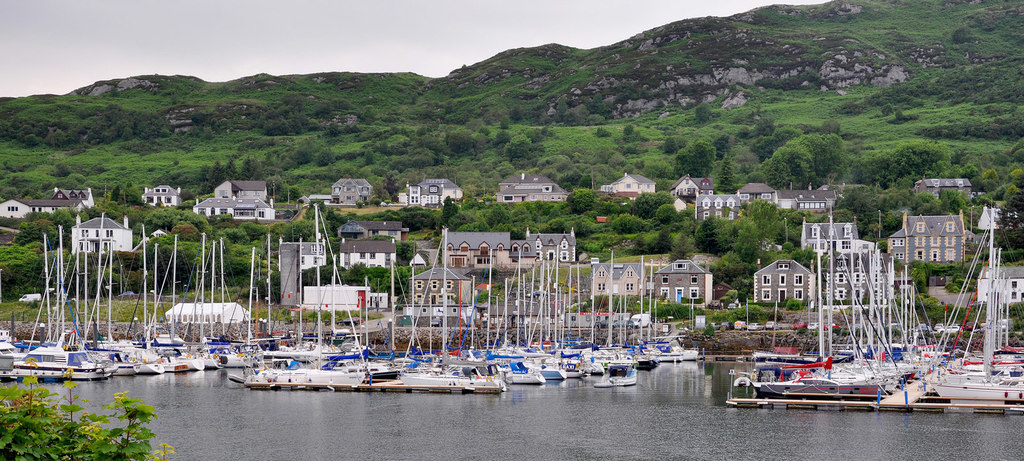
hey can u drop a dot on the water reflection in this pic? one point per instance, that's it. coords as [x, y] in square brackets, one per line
[675, 411]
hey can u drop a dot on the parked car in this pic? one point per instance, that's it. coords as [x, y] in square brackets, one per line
[800, 325]
[969, 326]
[734, 305]
[940, 328]
[924, 328]
[770, 325]
[435, 322]
[725, 326]
[355, 321]
[754, 326]
[740, 325]
[813, 326]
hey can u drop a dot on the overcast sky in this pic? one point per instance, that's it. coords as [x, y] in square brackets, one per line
[55, 46]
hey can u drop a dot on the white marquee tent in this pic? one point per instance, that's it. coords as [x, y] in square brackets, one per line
[207, 312]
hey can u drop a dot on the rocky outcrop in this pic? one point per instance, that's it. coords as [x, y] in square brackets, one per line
[104, 87]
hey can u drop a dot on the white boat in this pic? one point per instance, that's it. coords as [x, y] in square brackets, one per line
[456, 377]
[303, 377]
[55, 363]
[519, 373]
[619, 376]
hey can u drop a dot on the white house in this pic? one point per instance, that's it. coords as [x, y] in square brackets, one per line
[989, 218]
[237, 208]
[102, 232]
[370, 253]
[162, 195]
[725, 206]
[20, 207]
[72, 195]
[430, 193]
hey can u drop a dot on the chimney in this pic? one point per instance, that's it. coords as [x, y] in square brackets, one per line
[126, 221]
[522, 176]
[78, 220]
[179, 190]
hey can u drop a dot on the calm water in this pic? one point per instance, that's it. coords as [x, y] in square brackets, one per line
[675, 412]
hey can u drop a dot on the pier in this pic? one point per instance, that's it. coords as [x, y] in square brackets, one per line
[392, 386]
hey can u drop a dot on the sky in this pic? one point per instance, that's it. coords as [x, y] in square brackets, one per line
[56, 46]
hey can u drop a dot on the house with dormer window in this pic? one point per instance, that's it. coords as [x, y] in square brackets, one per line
[717, 206]
[350, 191]
[553, 247]
[430, 193]
[100, 234]
[689, 189]
[935, 186]
[937, 239]
[684, 281]
[619, 279]
[758, 191]
[838, 237]
[162, 196]
[781, 280]
[250, 190]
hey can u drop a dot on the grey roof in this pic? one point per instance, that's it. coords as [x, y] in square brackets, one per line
[688, 267]
[74, 194]
[307, 247]
[380, 225]
[358, 182]
[639, 179]
[755, 188]
[438, 273]
[861, 261]
[100, 223]
[934, 226]
[618, 269]
[773, 268]
[801, 195]
[50, 203]
[519, 244]
[553, 239]
[248, 185]
[443, 182]
[474, 239]
[529, 182]
[723, 197]
[243, 203]
[367, 246]
[835, 232]
[171, 191]
[944, 182]
[1011, 272]
[702, 183]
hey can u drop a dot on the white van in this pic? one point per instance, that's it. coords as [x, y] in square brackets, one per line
[30, 298]
[640, 321]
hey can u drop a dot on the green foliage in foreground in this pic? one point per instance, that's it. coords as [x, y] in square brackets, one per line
[39, 424]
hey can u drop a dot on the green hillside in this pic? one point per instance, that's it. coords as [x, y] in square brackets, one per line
[876, 73]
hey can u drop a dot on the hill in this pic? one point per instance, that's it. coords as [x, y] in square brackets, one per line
[877, 73]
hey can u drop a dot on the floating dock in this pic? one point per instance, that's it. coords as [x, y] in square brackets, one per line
[391, 386]
[913, 398]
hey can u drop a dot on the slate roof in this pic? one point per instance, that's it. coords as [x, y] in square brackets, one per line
[944, 182]
[836, 231]
[552, 239]
[240, 203]
[49, 203]
[801, 195]
[100, 223]
[248, 185]
[755, 188]
[723, 197]
[773, 268]
[171, 191]
[474, 239]
[438, 273]
[358, 182]
[618, 269]
[443, 182]
[367, 246]
[702, 183]
[689, 268]
[639, 179]
[529, 182]
[933, 226]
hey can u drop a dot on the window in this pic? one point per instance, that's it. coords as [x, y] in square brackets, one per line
[600, 287]
[798, 279]
[664, 280]
[694, 293]
[766, 280]
[782, 279]
[920, 227]
[798, 294]
[629, 287]
[693, 279]
[950, 227]
[840, 293]
[766, 295]
[783, 266]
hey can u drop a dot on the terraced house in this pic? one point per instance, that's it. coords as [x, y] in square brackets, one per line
[349, 191]
[725, 206]
[620, 279]
[937, 239]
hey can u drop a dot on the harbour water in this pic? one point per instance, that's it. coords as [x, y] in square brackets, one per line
[676, 411]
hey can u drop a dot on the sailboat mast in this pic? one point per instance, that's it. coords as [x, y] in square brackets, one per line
[252, 275]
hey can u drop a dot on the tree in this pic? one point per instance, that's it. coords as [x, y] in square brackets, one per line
[581, 200]
[725, 180]
[682, 248]
[460, 142]
[448, 213]
[696, 158]
[910, 159]
[706, 236]
[646, 205]
[666, 213]
[1012, 219]
[702, 113]
[790, 165]
[662, 242]
[519, 147]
